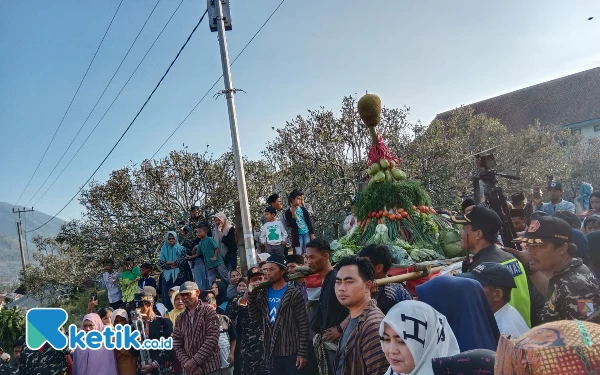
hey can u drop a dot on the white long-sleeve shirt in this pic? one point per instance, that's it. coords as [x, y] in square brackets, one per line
[347, 226]
[273, 233]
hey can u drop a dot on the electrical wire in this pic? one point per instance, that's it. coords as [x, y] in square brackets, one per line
[70, 104]
[130, 124]
[109, 107]
[95, 105]
[218, 79]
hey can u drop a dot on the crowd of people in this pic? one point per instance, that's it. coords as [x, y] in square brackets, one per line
[533, 310]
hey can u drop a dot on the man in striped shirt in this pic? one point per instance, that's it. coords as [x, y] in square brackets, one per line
[196, 334]
[280, 311]
[359, 351]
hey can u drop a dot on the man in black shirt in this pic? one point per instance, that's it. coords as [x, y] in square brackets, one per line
[331, 317]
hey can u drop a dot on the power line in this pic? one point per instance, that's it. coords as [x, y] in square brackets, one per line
[130, 124]
[218, 79]
[71, 103]
[110, 106]
[95, 105]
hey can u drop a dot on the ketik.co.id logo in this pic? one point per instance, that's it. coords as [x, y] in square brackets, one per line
[44, 326]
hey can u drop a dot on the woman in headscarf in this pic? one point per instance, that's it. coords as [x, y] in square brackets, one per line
[473, 362]
[94, 362]
[172, 261]
[466, 308]
[562, 347]
[126, 362]
[225, 238]
[412, 334]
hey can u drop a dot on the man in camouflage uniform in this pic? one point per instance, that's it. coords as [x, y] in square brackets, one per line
[573, 292]
[44, 361]
[249, 357]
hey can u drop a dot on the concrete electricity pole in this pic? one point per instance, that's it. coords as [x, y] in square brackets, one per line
[219, 12]
[20, 232]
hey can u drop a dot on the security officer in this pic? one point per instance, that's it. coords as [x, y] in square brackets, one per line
[480, 230]
[573, 292]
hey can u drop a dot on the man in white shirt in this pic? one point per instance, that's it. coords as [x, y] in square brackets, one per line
[111, 281]
[351, 220]
[498, 283]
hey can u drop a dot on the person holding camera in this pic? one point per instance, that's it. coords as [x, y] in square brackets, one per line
[154, 328]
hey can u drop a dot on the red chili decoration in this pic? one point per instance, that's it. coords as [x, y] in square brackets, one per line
[381, 151]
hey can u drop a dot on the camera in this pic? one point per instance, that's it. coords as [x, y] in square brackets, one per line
[93, 296]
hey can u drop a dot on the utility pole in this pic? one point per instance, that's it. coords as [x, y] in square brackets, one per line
[215, 8]
[20, 231]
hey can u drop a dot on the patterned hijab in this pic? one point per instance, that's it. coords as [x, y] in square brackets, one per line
[556, 348]
[473, 362]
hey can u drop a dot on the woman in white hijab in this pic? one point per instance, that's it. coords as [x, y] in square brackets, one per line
[412, 334]
[225, 238]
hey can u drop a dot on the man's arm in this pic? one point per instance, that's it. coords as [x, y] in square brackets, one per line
[178, 343]
[211, 338]
[302, 323]
[570, 207]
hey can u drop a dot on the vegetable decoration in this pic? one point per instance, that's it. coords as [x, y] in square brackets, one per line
[393, 210]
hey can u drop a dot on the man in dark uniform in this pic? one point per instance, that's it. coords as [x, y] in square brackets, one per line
[250, 351]
[480, 230]
[573, 292]
[44, 361]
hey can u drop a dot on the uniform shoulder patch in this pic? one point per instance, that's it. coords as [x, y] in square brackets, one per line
[585, 307]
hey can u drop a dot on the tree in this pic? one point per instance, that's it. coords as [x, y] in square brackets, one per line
[442, 155]
[129, 214]
[325, 155]
[12, 327]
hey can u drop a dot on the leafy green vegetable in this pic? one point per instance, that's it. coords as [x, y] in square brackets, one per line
[424, 255]
[339, 254]
[403, 194]
[450, 241]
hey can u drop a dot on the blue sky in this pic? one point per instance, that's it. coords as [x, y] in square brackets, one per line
[430, 56]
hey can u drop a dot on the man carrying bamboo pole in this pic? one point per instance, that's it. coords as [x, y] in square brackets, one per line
[359, 351]
[331, 317]
[386, 295]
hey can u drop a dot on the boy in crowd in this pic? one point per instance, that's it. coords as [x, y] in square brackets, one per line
[299, 222]
[146, 279]
[212, 258]
[273, 236]
[111, 281]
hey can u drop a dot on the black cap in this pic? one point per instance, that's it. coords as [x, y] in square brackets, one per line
[295, 258]
[554, 185]
[546, 229]
[494, 274]
[277, 259]
[484, 218]
[537, 214]
[254, 271]
[517, 212]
